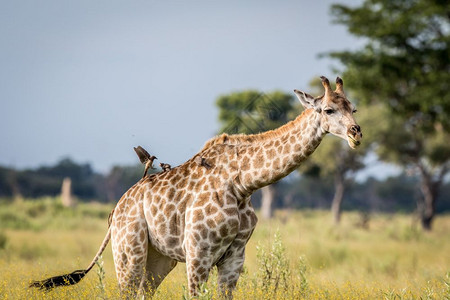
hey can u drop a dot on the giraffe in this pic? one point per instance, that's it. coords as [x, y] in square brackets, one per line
[200, 212]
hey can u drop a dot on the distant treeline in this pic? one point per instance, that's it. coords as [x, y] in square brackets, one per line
[392, 194]
[86, 184]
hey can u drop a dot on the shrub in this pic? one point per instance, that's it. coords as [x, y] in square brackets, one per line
[3, 240]
[302, 269]
[14, 220]
[273, 266]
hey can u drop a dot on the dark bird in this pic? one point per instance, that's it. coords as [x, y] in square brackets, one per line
[165, 167]
[201, 161]
[145, 158]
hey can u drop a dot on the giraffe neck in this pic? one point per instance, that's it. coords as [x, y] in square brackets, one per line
[281, 151]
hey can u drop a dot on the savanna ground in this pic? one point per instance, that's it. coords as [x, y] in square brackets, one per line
[298, 255]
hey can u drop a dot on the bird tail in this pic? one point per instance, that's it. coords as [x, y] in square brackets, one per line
[75, 276]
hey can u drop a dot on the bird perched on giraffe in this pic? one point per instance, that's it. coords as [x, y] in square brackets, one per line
[165, 167]
[145, 158]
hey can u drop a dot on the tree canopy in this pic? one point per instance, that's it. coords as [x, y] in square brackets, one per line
[406, 60]
[253, 111]
[404, 66]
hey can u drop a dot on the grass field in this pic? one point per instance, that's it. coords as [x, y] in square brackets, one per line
[298, 255]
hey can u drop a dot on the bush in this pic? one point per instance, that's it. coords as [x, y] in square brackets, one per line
[273, 265]
[14, 220]
[3, 240]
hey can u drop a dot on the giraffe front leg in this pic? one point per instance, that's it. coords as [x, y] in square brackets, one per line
[198, 269]
[231, 263]
[198, 262]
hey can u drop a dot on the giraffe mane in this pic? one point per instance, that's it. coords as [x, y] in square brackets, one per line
[237, 139]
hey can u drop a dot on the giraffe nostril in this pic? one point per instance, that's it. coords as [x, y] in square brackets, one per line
[355, 129]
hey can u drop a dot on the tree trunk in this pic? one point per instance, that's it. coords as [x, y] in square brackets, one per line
[427, 209]
[17, 195]
[430, 186]
[267, 199]
[66, 193]
[339, 185]
[15, 190]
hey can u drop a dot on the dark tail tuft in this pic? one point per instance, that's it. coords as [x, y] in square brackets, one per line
[62, 280]
[75, 276]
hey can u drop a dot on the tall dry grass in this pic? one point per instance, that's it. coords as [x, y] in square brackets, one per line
[298, 255]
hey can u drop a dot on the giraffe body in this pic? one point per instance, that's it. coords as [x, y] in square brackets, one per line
[205, 223]
[203, 215]
[200, 212]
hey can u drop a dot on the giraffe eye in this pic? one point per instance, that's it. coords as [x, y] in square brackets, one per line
[329, 111]
[354, 111]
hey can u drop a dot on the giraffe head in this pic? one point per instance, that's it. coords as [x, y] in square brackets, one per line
[336, 112]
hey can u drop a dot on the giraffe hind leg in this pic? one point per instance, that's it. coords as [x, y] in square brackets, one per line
[130, 255]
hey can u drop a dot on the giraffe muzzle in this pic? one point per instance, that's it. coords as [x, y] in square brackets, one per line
[354, 135]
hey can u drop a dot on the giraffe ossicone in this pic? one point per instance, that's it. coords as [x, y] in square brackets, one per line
[200, 212]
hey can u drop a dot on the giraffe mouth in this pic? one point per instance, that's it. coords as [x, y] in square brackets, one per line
[352, 142]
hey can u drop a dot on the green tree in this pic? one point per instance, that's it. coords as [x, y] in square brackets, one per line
[252, 112]
[405, 66]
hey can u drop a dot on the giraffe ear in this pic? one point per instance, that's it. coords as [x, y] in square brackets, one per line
[308, 101]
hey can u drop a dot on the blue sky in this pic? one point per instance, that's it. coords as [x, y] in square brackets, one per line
[91, 79]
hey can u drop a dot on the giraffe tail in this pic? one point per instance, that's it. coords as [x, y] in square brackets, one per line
[75, 276]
